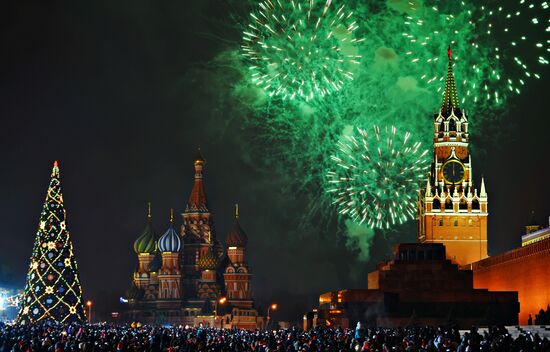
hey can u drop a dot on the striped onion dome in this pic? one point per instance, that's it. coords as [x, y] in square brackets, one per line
[145, 243]
[236, 237]
[170, 241]
[209, 261]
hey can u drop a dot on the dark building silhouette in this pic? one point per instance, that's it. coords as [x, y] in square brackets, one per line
[420, 286]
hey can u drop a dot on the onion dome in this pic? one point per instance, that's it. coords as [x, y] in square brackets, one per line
[209, 261]
[236, 237]
[170, 241]
[146, 243]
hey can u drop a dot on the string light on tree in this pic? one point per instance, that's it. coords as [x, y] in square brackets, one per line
[376, 176]
[53, 292]
[301, 49]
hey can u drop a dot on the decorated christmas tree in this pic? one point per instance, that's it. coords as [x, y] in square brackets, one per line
[53, 291]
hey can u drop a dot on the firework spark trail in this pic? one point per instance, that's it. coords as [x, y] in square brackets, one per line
[376, 176]
[301, 49]
[398, 81]
[475, 30]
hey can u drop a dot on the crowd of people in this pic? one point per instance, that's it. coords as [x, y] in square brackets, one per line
[543, 318]
[120, 338]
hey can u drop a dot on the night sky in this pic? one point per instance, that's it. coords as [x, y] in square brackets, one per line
[121, 94]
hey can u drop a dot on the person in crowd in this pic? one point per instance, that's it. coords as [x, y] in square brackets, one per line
[144, 338]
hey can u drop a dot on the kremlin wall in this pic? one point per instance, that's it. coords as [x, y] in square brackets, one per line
[448, 276]
[525, 270]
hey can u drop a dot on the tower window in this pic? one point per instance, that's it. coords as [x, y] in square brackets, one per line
[452, 125]
[469, 222]
[456, 223]
[440, 222]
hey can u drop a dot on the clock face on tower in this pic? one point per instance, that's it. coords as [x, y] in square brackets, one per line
[453, 171]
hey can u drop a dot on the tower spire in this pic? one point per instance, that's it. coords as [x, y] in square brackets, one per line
[171, 215]
[450, 97]
[428, 188]
[482, 192]
[149, 211]
[197, 200]
[237, 211]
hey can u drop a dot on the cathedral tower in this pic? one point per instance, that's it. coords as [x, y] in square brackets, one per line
[208, 288]
[197, 231]
[145, 247]
[170, 276]
[237, 273]
[452, 210]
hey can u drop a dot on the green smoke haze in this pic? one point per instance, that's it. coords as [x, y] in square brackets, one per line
[401, 53]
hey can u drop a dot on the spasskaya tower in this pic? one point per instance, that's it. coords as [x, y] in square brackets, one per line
[452, 210]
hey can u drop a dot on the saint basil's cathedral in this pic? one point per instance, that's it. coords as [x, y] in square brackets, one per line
[191, 278]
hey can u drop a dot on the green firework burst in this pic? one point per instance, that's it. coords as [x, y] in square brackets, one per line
[301, 49]
[398, 82]
[495, 46]
[376, 176]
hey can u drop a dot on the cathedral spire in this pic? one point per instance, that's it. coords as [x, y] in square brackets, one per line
[450, 97]
[197, 200]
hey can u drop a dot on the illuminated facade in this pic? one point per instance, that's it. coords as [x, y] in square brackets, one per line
[525, 269]
[454, 213]
[535, 233]
[452, 210]
[191, 278]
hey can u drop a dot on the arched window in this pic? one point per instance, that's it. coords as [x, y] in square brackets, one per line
[440, 222]
[449, 204]
[475, 204]
[469, 222]
[456, 223]
[436, 204]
